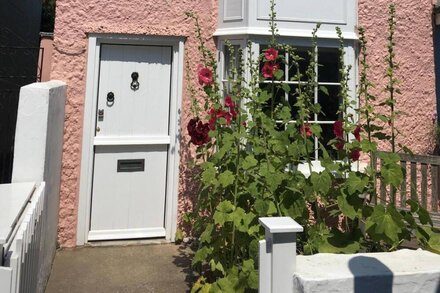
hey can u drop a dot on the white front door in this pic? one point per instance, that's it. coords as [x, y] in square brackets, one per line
[131, 142]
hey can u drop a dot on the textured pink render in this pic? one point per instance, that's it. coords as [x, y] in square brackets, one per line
[76, 18]
[415, 54]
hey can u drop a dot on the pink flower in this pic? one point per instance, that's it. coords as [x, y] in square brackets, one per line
[205, 76]
[338, 129]
[355, 155]
[269, 69]
[271, 54]
[308, 130]
[357, 133]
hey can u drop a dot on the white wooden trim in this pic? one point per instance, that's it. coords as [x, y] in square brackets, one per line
[282, 32]
[141, 140]
[95, 41]
[126, 234]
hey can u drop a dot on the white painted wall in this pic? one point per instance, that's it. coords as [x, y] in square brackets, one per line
[403, 271]
[38, 154]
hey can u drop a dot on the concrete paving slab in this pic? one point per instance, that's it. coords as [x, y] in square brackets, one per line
[146, 268]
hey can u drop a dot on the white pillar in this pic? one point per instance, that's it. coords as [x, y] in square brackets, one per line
[278, 255]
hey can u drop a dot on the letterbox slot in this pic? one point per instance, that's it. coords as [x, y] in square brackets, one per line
[137, 165]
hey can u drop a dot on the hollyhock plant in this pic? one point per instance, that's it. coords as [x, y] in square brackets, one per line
[355, 155]
[205, 76]
[271, 54]
[198, 131]
[215, 115]
[357, 133]
[338, 129]
[269, 69]
[307, 129]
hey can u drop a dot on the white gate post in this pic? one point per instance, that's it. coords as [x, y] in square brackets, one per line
[278, 255]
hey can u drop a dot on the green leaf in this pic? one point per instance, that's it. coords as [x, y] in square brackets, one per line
[249, 162]
[208, 174]
[385, 224]
[347, 208]
[285, 87]
[206, 235]
[321, 182]
[324, 90]
[201, 255]
[223, 213]
[356, 183]
[226, 178]
[392, 174]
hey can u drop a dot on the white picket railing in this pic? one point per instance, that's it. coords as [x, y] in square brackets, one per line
[22, 251]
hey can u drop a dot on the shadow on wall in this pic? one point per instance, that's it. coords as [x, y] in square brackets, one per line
[370, 275]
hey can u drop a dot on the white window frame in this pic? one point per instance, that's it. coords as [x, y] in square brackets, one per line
[350, 59]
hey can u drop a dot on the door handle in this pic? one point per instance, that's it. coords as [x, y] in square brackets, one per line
[110, 97]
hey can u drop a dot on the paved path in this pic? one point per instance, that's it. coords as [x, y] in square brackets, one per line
[146, 268]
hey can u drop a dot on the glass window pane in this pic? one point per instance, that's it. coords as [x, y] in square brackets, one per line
[293, 100]
[231, 56]
[303, 63]
[328, 59]
[329, 103]
[326, 136]
[279, 97]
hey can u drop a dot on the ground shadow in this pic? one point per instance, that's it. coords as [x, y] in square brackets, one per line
[370, 275]
[183, 261]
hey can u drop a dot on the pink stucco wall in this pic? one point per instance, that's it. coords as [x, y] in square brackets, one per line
[414, 53]
[75, 18]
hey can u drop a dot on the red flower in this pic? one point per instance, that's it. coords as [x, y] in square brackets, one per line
[355, 155]
[205, 76]
[216, 114]
[306, 127]
[340, 144]
[229, 102]
[271, 54]
[338, 130]
[357, 133]
[269, 69]
[198, 131]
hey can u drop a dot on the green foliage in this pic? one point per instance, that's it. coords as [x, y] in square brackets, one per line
[249, 170]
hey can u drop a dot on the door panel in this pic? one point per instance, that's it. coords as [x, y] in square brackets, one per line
[134, 112]
[131, 143]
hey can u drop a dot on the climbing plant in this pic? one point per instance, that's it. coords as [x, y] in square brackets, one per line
[249, 150]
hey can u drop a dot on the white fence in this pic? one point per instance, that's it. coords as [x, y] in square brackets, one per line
[282, 271]
[31, 224]
[21, 250]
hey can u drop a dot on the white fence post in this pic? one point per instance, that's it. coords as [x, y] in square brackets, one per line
[278, 255]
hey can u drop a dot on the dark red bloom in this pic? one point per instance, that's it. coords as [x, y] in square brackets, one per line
[340, 144]
[205, 76]
[229, 102]
[357, 133]
[338, 129]
[308, 130]
[355, 155]
[269, 69]
[198, 131]
[271, 54]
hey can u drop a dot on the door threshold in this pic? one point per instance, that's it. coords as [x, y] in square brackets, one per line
[131, 242]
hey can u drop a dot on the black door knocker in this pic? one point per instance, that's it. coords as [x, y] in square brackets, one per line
[134, 84]
[110, 99]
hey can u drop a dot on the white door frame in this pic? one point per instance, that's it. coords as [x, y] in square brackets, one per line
[86, 176]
